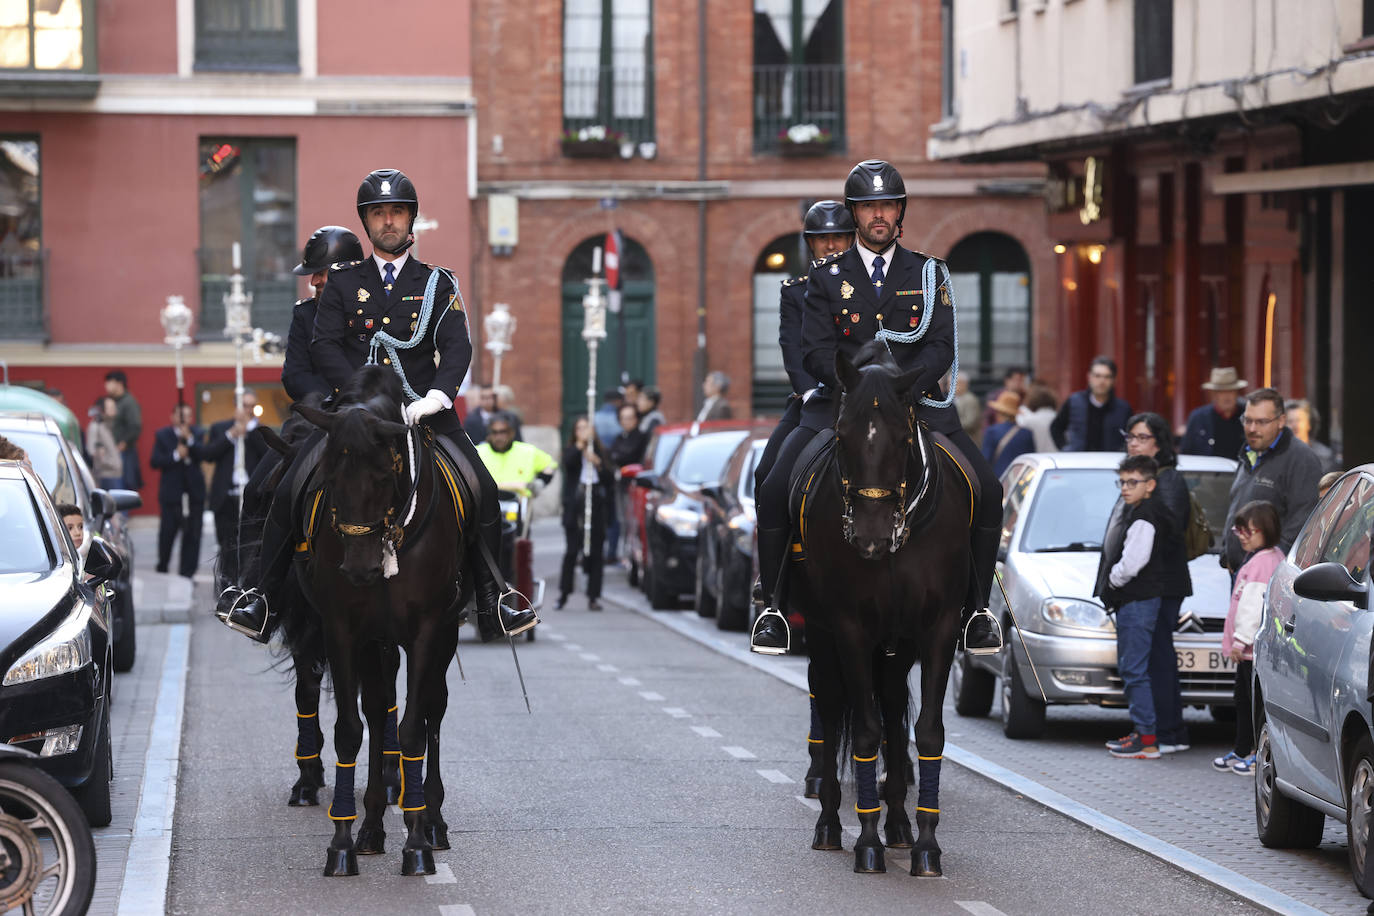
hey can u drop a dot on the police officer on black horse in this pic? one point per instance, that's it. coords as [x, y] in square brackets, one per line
[328, 245]
[386, 293]
[850, 297]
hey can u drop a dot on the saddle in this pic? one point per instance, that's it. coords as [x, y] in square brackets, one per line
[816, 464]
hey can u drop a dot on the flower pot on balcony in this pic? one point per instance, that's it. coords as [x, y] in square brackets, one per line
[591, 149]
[802, 150]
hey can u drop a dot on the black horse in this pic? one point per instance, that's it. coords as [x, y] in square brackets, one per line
[384, 549]
[884, 531]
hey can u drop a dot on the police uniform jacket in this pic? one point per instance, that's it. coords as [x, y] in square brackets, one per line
[791, 305]
[298, 375]
[843, 312]
[355, 306]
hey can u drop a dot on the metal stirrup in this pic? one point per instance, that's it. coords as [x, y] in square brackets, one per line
[769, 650]
[998, 627]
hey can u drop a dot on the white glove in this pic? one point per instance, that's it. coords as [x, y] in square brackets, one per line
[425, 407]
[810, 393]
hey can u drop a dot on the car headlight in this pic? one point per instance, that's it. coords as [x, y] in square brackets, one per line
[684, 522]
[67, 649]
[1075, 612]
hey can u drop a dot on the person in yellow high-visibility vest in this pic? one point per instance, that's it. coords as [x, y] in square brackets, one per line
[515, 466]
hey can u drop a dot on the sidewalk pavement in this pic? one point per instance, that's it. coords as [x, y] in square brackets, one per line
[166, 597]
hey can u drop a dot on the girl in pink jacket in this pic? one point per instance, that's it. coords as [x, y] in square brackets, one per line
[1256, 526]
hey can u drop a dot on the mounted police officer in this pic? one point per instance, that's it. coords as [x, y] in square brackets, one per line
[328, 245]
[827, 228]
[850, 296]
[386, 292]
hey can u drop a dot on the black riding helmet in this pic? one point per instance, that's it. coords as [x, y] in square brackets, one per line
[827, 217]
[387, 186]
[329, 245]
[874, 179]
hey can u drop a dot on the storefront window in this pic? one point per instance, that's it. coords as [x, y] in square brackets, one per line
[43, 34]
[21, 240]
[246, 35]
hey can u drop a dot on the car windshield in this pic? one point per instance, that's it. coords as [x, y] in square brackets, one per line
[667, 444]
[23, 546]
[49, 462]
[703, 458]
[1072, 506]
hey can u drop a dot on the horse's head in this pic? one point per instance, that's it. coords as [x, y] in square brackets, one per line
[874, 431]
[363, 466]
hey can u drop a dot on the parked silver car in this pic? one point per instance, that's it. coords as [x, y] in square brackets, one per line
[1054, 513]
[1314, 751]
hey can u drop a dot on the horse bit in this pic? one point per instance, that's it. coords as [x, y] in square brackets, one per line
[900, 510]
[392, 533]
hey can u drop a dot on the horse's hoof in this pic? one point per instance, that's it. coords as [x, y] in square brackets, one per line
[340, 863]
[436, 838]
[371, 841]
[417, 862]
[868, 860]
[304, 797]
[393, 795]
[926, 864]
[898, 836]
[827, 837]
[813, 787]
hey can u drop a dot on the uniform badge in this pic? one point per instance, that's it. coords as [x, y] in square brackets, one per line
[846, 291]
[877, 182]
[363, 295]
[367, 323]
[944, 296]
[386, 187]
[854, 318]
[915, 322]
[834, 270]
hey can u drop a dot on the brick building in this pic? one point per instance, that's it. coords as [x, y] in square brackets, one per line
[139, 140]
[707, 194]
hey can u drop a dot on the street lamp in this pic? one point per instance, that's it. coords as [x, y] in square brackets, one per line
[238, 327]
[593, 332]
[176, 320]
[498, 327]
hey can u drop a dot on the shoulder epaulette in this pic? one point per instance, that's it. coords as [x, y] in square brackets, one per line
[344, 265]
[793, 281]
[305, 301]
[827, 259]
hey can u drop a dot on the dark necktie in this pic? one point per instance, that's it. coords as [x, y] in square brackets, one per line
[878, 275]
[388, 278]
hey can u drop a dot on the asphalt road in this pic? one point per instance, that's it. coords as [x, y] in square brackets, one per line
[653, 775]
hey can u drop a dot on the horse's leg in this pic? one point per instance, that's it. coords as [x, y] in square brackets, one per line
[856, 663]
[895, 696]
[441, 647]
[829, 706]
[815, 739]
[341, 858]
[391, 745]
[309, 736]
[937, 654]
[417, 858]
[378, 678]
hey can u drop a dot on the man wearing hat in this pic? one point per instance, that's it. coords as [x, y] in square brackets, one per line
[1215, 428]
[1004, 440]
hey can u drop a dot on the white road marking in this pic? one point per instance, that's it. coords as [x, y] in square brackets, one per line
[677, 712]
[572, 647]
[813, 803]
[777, 776]
[457, 909]
[979, 908]
[738, 752]
[629, 681]
[150, 851]
[706, 731]
[556, 637]
[609, 669]
[443, 874]
[651, 696]
[589, 657]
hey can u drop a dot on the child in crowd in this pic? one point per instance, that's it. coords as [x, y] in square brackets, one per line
[76, 527]
[1133, 586]
[1257, 528]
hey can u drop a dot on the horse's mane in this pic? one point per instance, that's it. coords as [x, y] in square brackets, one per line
[375, 388]
[877, 381]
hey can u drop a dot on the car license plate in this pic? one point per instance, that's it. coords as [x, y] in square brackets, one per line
[1203, 660]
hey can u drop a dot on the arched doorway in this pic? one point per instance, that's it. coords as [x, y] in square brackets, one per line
[784, 257]
[991, 276]
[628, 350]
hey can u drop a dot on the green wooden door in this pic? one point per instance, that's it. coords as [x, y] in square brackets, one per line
[634, 326]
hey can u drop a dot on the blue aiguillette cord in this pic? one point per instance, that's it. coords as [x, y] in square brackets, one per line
[929, 289]
[392, 344]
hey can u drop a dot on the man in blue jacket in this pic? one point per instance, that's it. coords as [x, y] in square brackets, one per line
[1091, 420]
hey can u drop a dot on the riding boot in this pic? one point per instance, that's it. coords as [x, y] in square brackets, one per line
[494, 619]
[247, 610]
[771, 635]
[982, 632]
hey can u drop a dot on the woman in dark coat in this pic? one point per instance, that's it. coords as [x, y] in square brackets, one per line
[585, 464]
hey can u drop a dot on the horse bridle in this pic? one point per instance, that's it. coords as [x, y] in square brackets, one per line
[392, 532]
[901, 510]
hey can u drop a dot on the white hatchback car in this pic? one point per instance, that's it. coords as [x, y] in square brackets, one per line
[1054, 513]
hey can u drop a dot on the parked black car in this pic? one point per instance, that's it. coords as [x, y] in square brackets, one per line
[69, 480]
[55, 647]
[725, 555]
[672, 515]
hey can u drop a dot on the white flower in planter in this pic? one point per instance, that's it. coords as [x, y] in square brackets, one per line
[804, 133]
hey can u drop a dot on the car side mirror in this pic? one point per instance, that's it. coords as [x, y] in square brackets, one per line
[102, 563]
[128, 500]
[1331, 582]
[103, 505]
[713, 491]
[646, 479]
[631, 471]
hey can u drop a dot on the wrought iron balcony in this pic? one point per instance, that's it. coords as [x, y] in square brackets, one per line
[621, 99]
[791, 94]
[23, 312]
